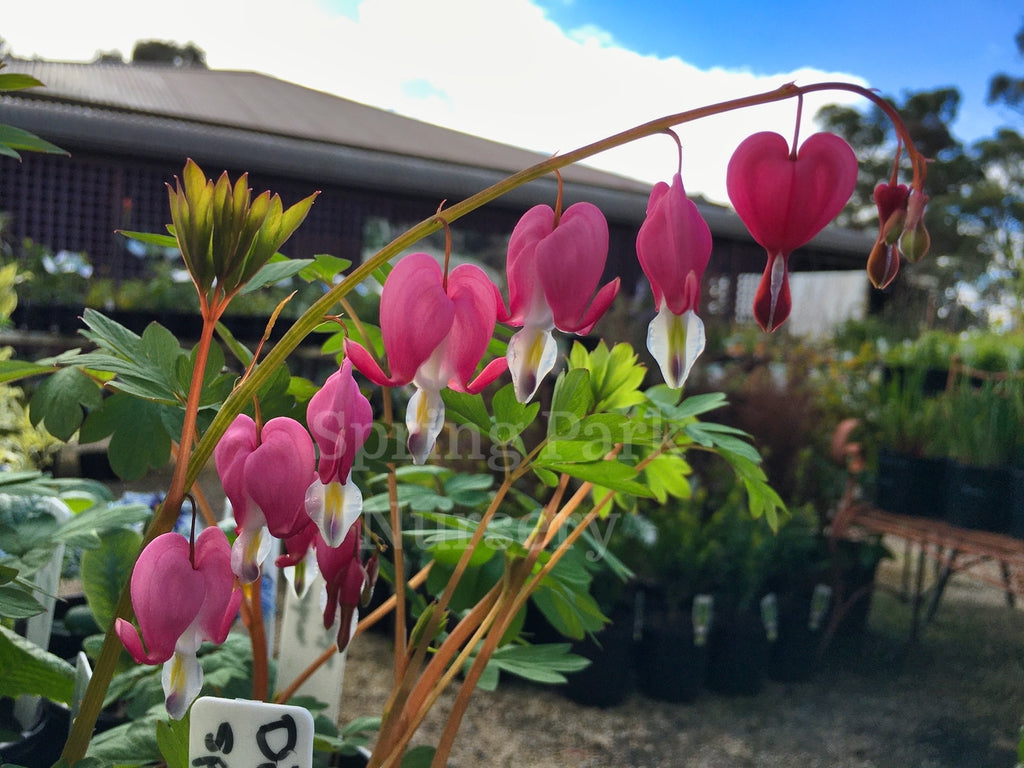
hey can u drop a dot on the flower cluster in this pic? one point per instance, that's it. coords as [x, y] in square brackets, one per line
[293, 482]
[276, 487]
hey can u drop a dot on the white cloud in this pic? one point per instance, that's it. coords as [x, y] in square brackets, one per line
[500, 70]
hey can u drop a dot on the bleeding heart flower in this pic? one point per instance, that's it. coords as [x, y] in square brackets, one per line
[785, 199]
[181, 596]
[347, 582]
[674, 246]
[554, 266]
[339, 418]
[435, 332]
[265, 474]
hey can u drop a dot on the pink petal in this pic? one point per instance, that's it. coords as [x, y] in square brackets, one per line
[221, 597]
[415, 314]
[597, 308]
[367, 366]
[163, 569]
[340, 419]
[772, 301]
[278, 472]
[785, 202]
[674, 246]
[473, 297]
[570, 262]
[238, 441]
[521, 265]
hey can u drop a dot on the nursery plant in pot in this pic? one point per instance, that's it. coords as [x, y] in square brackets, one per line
[797, 573]
[664, 549]
[734, 547]
[910, 477]
[979, 431]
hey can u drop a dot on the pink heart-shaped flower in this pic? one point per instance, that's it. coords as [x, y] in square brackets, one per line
[784, 200]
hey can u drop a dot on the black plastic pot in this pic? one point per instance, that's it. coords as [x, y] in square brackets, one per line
[609, 679]
[1017, 503]
[978, 497]
[40, 747]
[670, 667]
[737, 653]
[910, 485]
[793, 656]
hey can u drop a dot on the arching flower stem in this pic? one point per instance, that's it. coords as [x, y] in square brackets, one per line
[191, 462]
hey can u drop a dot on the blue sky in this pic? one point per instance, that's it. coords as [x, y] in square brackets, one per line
[894, 46]
[551, 75]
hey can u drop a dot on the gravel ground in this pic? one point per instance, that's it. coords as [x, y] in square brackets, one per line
[953, 700]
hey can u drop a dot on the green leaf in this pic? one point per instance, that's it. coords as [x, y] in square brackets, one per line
[15, 81]
[151, 238]
[18, 603]
[607, 474]
[15, 370]
[698, 404]
[510, 416]
[571, 401]
[275, 272]
[105, 571]
[28, 669]
[722, 437]
[110, 335]
[325, 268]
[133, 743]
[468, 490]
[59, 400]
[86, 528]
[172, 739]
[544, 663]
[18, 139]
[138, 440]
[666, 475]
[464, 408]
[421, 756]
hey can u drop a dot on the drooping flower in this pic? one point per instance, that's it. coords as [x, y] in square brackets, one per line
[884, 260]
[674, 246]
[347, 581]
[339, 418]
[265, 474]
[554, 267]
[785, 198]
[435, 332]
[181, 596]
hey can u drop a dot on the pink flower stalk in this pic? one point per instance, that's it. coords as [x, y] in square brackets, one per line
[181, 596]
[785, 199]
[348, 582]
[674, 246]
[340, 419]
[265, 474]
[435, 332]
[554, 267]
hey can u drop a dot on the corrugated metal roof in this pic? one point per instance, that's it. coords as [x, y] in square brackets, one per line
[260, 103]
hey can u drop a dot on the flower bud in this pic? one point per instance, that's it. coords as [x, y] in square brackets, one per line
[883, 264]
[225, 236]
[915, 240]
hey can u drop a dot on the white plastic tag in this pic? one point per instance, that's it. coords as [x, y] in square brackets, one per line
[238, 733]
